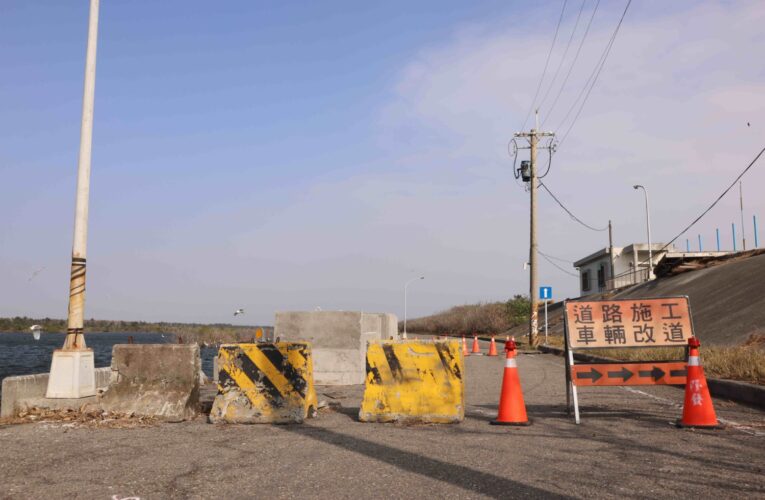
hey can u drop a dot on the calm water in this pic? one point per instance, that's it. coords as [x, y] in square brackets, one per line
[21, 354]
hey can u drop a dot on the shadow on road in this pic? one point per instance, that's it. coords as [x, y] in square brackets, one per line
[457, 475]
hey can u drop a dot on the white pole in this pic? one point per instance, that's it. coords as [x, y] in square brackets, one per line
[648, 225]
[406, 285]
[75, 339]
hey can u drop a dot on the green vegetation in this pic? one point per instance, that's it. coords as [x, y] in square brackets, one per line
[215, 333]
[482, 318]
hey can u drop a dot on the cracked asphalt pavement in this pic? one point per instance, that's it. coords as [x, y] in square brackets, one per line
[625, 447]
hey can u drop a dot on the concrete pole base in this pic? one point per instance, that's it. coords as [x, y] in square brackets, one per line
[72, 374]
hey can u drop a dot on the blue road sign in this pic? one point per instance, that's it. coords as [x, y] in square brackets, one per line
[545, 292]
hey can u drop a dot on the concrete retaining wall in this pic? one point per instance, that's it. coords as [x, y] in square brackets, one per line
[26, 391]
[338, 340]
[159, 380]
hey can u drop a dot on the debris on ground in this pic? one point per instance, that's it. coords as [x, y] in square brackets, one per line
[81, 419]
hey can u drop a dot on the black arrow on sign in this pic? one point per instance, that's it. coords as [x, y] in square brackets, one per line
[656, 373]
[677, 373]
[624, 374]
[592, 374]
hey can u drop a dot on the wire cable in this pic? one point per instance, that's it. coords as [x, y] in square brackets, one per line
[556, 265]
[697, 219]
[555, 258]
[599, 67]
[573, 63]
[563, 59]
[544, 71]
[577, 219]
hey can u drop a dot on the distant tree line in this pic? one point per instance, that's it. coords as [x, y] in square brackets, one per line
[190, 332]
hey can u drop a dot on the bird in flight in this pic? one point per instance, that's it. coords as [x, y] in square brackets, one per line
[238, 312]
[35, 273]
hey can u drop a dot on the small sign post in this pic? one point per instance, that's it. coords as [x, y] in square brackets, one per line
[603, 324]
[545, 293]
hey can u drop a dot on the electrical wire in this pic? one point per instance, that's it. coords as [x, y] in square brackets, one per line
[599, 67]
[697, 219]
[577, 219]
[556, 265]
[555, 258]
[573, 63]
[563, 59]
[547, 62]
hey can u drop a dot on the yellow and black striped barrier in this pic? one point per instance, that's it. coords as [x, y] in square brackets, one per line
[414, 381]
[264, 383]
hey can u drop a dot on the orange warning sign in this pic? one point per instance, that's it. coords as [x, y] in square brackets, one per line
[661, 373]
[628, 323]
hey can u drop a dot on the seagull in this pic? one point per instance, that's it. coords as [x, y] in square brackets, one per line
[747, 124]
[238, 312]
[35, 273]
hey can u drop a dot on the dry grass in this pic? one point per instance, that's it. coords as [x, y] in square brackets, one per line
[483, 318]
[745, 362]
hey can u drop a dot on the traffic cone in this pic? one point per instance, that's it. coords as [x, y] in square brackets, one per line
[698, 410]
[512, 409]
[475, 349]
[464, 347]
[492, 347]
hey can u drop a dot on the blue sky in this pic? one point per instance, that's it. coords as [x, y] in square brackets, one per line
[293, 155]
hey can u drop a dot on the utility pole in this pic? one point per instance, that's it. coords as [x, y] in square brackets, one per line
[72, 373]
[533, 136]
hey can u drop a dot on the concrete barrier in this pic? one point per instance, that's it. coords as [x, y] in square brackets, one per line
[414, 381]
[23, 392]
[158, 380]
[338, 340]
[264, 383]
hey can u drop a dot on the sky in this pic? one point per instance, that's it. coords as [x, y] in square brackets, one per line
[298, 155]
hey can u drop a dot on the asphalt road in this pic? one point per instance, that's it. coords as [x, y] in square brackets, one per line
[626, 446]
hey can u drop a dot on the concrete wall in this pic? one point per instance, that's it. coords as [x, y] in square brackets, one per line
[26, 391]
[338, 340]
[159, 380]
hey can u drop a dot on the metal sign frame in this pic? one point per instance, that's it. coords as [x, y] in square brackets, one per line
[571, 388]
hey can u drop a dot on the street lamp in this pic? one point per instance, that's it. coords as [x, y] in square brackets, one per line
[648, 225]
[406, 285]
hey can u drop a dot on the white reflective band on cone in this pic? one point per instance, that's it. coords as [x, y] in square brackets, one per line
[510, 363]
[693, 361]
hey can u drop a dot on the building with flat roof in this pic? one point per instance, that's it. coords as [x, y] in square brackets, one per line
[601, 271]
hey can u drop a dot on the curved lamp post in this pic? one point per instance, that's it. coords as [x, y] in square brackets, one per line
[648, 225]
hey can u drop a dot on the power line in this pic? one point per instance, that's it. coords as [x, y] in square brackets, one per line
[593, 78]
[544, 71]
[563, 59]
[751, 164]
[556, 265]
[556, 258]
[573, 63]
[697, 219]
[577, 219]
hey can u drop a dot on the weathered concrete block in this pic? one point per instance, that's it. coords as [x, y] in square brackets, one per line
[23, 392]
[338, 339]
[264, 383]
[414, 381]
[159, 380]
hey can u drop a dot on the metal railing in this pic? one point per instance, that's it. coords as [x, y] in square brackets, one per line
[633, 277]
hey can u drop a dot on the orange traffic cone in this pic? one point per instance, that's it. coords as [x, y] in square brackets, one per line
[492, 347]
[698, 410]
[464, 347]
[512, 409]
[475, 349]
